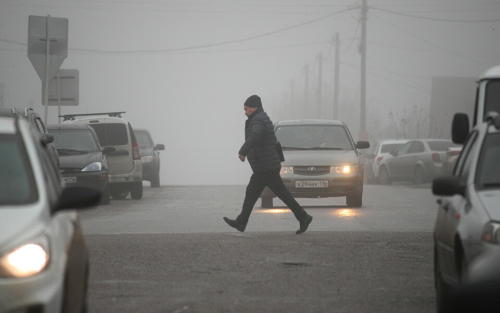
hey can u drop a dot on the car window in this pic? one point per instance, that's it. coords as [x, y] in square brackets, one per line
[111, 134]
[388, 147]
[81, 140]
[465, 160]
[404, 148]
[143, 139]
[314, 136]
[417, 147]
[440, 145]
[17, 183]
[492, 96]
[488, 174]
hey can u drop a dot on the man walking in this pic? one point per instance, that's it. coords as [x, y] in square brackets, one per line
[260, 148]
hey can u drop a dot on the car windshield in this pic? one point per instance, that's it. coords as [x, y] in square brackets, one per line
[111, 134]
[488, 174]
[388, 147]
[17, 184]
[492, 102]
[73, 140]
[305, 137]
[143, 139]
[441, 145]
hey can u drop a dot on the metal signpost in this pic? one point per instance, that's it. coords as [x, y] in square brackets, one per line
[47, 48]
[64, 89]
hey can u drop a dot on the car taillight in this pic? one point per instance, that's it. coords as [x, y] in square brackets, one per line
[379, 159]
[452, 153]
[436, 157]
[135, 151]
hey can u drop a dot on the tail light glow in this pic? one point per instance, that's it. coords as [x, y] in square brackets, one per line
[436, 157]
[135, 151]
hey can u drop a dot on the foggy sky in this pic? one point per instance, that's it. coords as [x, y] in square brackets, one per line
[131, 57]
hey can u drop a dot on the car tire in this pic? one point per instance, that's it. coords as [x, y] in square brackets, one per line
[419, 176]
[384, 177]
[105, 197]
[267, 202]
[118, 193]
[443, 291]
[354, 201]
[155, 181]
[136, 191]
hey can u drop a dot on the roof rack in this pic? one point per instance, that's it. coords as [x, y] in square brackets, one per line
[71, 117]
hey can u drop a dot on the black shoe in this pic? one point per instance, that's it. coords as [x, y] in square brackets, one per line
[235, 224]
[304, 224]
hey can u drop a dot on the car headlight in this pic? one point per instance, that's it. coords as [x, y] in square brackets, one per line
[286, 170]
[26, 260]
[344, 169]
[96, 166]
[147, 159]
[491, 233]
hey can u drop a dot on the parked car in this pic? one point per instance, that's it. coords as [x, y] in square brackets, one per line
[468, 219]
[417, 160]
[321, 160]
[451, 159]
[35, 121]
[44, 261]
[382, 150]
[83, 160]
[124, 165]
[150, 156]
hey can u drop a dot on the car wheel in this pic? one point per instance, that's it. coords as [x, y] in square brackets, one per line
[105, 197]
[118, 193]
[267, 202]
[354, 201]
[443, 297]
[136, 191]
[155, 181]
[384, 177]
[419, 176]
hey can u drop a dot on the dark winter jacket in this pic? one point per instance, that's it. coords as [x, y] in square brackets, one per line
[260, 143]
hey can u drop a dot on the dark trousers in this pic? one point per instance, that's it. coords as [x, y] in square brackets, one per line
[271, 179]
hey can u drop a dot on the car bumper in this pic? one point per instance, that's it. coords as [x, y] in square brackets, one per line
[96, 180]
[338, 186]
[149, 170]
[133, 177]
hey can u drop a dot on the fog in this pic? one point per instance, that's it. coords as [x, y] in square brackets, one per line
[183, 69]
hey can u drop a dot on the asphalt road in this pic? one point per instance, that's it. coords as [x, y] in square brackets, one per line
[172, 252]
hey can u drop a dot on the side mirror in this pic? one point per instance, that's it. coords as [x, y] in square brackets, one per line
[78, 197]
[108, 149]
[362, 145]
[47, 138]
[447, 186]
[460, 128]
[159, 147]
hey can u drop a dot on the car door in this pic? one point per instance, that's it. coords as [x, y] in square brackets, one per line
[396, 163]
[416, 155]
[450, 210]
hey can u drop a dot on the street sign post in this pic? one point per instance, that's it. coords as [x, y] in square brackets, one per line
[47, 47]
[63, 89]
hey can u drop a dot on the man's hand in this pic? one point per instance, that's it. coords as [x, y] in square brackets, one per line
[242, 158]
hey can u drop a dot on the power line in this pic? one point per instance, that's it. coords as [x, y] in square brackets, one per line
[435, 19]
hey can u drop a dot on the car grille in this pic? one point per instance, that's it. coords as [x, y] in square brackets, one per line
[311, 170]
[69, 170]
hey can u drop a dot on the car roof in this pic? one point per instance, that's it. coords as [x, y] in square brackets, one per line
[309, 122]
[141, 130]
[491, 73]
[384, 141]
[68, 126]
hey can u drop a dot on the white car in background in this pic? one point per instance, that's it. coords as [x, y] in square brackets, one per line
[382, 150]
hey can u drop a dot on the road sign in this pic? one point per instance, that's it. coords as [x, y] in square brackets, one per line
[37, 43]
[64, 87]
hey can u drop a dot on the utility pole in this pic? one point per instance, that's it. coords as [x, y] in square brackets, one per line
[306, 88]
[2, 95]
[292, 95]
[320, 74]
[363, 135]
[336, 74]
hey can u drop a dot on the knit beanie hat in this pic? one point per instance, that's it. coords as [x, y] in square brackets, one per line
[253, 102]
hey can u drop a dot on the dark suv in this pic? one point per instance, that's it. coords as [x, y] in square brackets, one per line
[150, 156]
[35, 121]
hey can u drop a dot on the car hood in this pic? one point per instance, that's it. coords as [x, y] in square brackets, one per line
[319, 157]
[79, 160]
[18, 221]
[491, 200]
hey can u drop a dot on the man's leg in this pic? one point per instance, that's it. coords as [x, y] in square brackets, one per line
[275, 183]
[252, 194]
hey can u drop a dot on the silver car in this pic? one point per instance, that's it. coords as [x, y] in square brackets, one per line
[418, 160]
[44, 262]
[382, 150]
[468, 220]
[321, 160]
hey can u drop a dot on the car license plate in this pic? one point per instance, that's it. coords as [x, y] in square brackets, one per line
[70, 180]
[311, 184]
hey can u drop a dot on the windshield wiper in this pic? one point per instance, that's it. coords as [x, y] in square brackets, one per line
[491, 184]
[324, 148]
[294, 148]
[70, 151]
